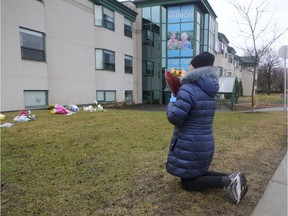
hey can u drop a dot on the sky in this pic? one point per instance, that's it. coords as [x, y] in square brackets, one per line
[227, 16]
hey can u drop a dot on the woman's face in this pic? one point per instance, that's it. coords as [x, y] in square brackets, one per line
[173, 35]
[184, 37]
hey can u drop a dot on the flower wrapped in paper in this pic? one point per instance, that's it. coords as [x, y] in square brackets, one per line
[173, 79]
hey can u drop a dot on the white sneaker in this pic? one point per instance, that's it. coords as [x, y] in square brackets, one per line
[244, 186]
[238, 187]
[235, 187]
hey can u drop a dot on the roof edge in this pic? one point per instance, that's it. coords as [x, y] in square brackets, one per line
[119, 7]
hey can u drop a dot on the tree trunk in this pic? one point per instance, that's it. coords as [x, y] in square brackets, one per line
[253, 88]
[269, 79]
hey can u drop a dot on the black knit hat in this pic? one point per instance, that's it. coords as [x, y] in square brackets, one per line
[202, 60]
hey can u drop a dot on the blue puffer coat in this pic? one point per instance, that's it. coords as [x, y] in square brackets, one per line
[192, 145]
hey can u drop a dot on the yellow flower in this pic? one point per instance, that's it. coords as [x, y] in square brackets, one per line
[178, 73]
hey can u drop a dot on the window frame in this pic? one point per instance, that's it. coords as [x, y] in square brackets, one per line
[146, 65]
[108, 21]
[128, 93]
[230, 58]
[127, 27]
[27, 106]
[105, 92]
[27, 51]
[104, 19]
[149, 37]
[149, 64]
[109, 66]
[127, 68]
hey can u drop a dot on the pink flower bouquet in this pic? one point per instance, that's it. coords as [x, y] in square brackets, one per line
[173, 79]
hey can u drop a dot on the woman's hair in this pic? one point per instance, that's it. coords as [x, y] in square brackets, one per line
[184, 34]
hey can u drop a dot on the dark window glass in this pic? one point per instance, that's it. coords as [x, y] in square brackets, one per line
[127, 31]
[150, 67]
[128, 96]
[109, 60]
[108, 18]
[108, 22]
[37, 55]
[32, 45]
[128, 64]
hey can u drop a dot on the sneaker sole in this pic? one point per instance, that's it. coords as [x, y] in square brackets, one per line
[235, 191]
[238, 187]
[244, 187]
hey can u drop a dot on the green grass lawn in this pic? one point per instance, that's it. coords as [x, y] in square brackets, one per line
[260, 101]
[113, 163]
[264, 98]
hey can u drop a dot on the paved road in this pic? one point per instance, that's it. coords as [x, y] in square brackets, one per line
[157, 107]
[272, 109]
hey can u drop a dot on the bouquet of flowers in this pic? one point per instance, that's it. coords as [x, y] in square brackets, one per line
[173, 79]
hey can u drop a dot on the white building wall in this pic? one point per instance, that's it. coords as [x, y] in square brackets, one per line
[221, 61]
[230, 69]
[121, 45]
[138, 57]
[70, 51]
[134, 47]
[0, 58]
[18, 75]
[69, 72]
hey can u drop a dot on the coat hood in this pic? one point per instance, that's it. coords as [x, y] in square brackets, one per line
[205, 78]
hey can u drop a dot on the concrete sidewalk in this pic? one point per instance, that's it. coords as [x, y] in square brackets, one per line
[274, 200]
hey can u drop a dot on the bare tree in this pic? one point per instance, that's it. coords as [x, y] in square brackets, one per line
[255, 25]
[276, 79]
[267, 73]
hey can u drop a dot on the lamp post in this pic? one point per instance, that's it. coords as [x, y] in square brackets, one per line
[283, 53]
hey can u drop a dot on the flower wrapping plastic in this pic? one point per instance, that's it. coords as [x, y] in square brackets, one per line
[173, 79]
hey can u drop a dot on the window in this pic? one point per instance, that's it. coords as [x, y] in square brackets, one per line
[150, 67]
[108, 17]
[106, 96]
[128, 64]
[98, 15]
[32, 45]
[219, 71]
[128, 96]
[148, 96]
[35, 98]
[236, 63]
[127, 28]
[149, 35]
[103, 17]
[105, 60]
[230, 58]
[221, 47]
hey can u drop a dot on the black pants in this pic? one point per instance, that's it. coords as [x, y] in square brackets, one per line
[209, 180]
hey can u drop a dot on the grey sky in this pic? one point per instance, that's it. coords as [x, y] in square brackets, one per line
[227, 14]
